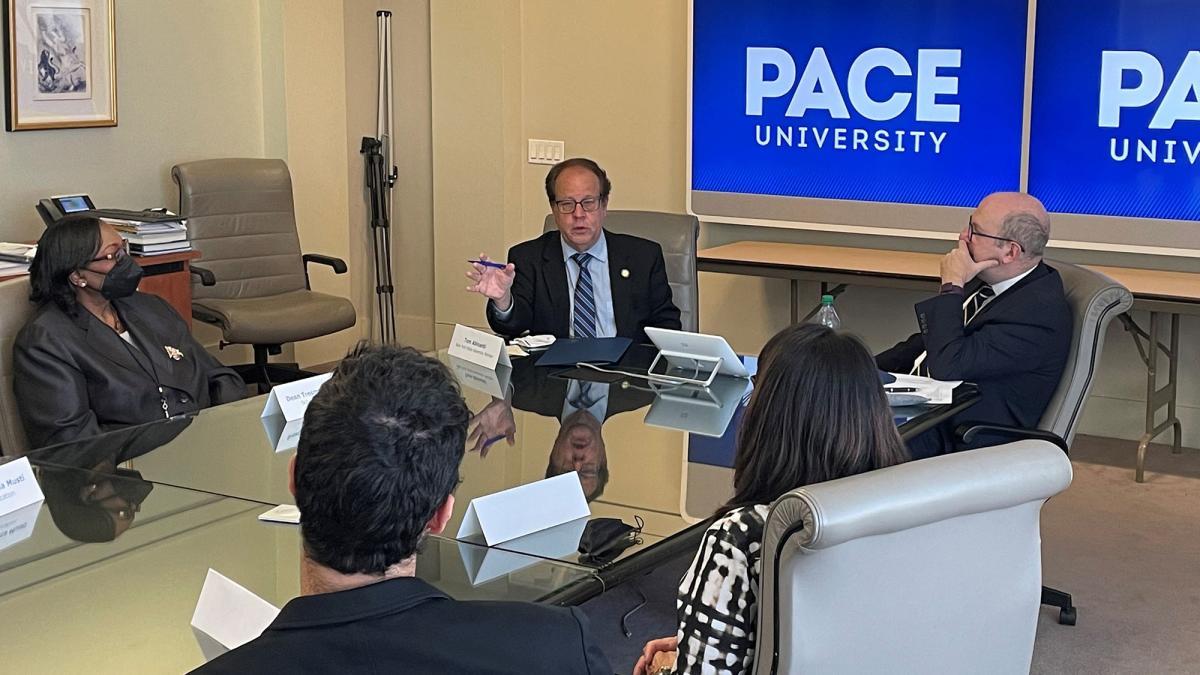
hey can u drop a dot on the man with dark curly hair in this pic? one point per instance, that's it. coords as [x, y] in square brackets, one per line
[373, 474]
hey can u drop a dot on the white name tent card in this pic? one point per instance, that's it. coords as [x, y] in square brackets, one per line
[18, 526]
[559, 541]
[228, 616]
[284, 513]
[485, 564]
[525, 509]
[478, 347]
[282, 434]
[18, 486]
[491, 381]
[291, 399]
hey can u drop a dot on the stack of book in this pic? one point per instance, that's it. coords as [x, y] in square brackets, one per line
[153, 233]
[15, 258]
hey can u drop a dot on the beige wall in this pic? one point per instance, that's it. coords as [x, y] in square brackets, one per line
[315, 93]
[189, 87]
[611, 83]
[476, 120]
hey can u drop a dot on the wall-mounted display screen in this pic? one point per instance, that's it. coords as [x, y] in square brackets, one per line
[1116, 108]
[865, 100]
[899, 116]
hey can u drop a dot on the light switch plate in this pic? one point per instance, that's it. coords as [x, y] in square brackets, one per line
[546, 152]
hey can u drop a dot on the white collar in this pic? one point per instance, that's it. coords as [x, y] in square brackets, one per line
[1001, 286]
[598, 251]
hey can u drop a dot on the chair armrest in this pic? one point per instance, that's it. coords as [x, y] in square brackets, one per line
[206, 276]
[968, 433]
[338, 265]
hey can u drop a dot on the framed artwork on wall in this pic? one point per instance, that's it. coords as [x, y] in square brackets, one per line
[60, 64]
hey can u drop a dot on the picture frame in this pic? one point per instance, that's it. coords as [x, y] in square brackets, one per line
[60, 64]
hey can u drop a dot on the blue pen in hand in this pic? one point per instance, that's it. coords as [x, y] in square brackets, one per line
[488, 443]
[488, 263]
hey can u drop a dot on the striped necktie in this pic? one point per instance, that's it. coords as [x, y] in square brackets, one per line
[584, 399]
[585, 300]
[970, 308]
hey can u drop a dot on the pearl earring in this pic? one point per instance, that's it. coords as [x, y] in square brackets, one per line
[82, 284]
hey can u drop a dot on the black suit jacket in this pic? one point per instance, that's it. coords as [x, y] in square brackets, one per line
[407, 626]
[74, 377]
[1015, 350]
[542, 302]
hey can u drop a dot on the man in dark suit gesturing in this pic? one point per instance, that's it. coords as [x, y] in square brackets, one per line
[373, 474]
[580, 281]
[1000, 321]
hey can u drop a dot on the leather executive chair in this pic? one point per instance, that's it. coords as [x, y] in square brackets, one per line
[15, 310]
[254, 280]
[1094, 300]
[677, 234]
[924, 567]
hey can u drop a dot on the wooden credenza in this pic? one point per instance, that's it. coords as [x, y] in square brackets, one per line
[169, 277]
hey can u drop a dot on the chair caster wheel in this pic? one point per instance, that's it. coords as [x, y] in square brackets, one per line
[1067, 616]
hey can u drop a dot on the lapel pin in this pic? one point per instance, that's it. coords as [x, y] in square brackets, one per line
[624, 273]
[172, 352]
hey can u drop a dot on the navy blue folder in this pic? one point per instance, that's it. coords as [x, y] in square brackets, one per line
[585, 350]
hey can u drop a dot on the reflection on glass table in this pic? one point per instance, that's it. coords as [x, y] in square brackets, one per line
[124, 604]
[549, 421]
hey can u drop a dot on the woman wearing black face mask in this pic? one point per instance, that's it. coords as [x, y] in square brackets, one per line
[97, 354]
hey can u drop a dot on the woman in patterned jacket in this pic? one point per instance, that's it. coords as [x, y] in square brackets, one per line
[818, 413]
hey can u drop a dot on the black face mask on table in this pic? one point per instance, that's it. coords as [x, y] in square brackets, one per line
[122, 280]
[604, 539]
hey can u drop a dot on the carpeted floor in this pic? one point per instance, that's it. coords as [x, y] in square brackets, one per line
[1129, 553]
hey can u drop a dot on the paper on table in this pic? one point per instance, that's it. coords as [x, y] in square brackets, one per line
[535, 341]
[938, 392]
[228, 616]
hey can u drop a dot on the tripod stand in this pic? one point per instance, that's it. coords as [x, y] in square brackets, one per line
[381, 175]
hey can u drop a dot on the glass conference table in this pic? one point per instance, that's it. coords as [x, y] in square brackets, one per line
[104, 579]
[180, 496]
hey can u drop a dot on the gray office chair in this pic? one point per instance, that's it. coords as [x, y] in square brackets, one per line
[924, 567]
[253, 278]
[15, 310]
[677, 234]
[1094, 300]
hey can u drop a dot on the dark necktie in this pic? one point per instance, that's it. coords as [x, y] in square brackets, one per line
[976, 303]
[585, 301]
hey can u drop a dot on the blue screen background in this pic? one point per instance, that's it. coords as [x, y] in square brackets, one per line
[981, 154]
[1070, 167]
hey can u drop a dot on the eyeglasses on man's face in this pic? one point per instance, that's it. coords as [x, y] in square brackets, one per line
[565, 206]
[972, 232]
